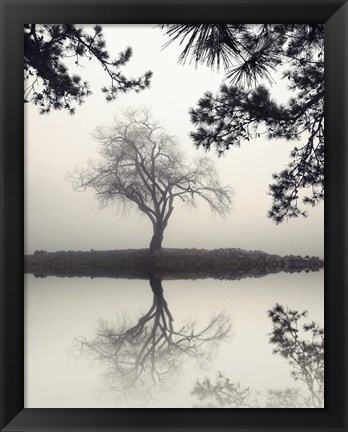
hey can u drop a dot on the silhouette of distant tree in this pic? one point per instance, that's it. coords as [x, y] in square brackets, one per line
[142, 165]
[305, 356]
[50, 85]
[140, 356]
[237, 112]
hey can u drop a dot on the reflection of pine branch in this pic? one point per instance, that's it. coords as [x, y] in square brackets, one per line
[222, 394]
[140, 356]
[288, 398]
[306, 357]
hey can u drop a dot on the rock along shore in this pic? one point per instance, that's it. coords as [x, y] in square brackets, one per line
[228, 263]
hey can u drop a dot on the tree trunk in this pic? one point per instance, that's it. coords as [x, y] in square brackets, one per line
[157, 238]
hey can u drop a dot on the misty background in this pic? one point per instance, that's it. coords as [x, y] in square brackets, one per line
[56, 218]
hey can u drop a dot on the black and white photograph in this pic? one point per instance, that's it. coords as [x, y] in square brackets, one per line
[174, 215]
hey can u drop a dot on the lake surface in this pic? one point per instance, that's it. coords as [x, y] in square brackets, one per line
[72, 326]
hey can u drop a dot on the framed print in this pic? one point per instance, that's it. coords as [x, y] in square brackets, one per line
[167, 182]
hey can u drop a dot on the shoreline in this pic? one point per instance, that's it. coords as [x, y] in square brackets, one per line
[229, 263]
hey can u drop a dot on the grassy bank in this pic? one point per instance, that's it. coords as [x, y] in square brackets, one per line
[168, 263]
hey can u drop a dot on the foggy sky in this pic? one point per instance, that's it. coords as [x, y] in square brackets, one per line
[56, 218]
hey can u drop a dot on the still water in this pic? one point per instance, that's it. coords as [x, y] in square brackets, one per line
[102, 342]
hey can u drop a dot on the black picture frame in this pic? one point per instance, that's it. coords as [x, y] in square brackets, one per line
[15, 13]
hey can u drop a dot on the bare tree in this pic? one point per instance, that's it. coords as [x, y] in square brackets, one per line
[142, 165]
[142, 355]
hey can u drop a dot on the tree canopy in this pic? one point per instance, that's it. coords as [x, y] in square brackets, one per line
[48, 82]
[142, 166]
[245, 109]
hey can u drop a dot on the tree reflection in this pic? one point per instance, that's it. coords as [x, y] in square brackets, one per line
[305, 356]
[222, 393]
[140, 356]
